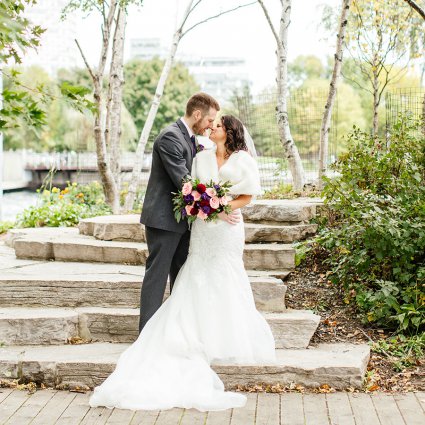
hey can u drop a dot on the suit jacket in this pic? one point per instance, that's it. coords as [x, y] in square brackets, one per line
[172, 159]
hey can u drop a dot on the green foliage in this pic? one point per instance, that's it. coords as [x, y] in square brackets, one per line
[66, 207]
[17, 34]
[141, 80]
[26, 104]
[376, 241]
[5, 226]
[404, 350]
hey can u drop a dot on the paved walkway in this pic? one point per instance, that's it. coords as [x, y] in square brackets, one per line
[49, 407]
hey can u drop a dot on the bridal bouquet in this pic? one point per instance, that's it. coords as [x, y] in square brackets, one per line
[198, 200]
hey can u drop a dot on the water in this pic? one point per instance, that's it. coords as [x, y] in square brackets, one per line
[15, 202]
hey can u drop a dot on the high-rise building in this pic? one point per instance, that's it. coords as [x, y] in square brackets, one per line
[218, 76]
[57, 47]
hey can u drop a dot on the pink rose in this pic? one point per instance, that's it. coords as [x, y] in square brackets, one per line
[211, 192]
[202, 215]
[223, 201]
[196, 195]
[187, 188]
[214, 202]
[189, 209]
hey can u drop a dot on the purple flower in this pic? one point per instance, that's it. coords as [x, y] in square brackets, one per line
[206, 209]
[205, 197]
[184, 212]
[217, 187]
[200, 148]
[188, 199]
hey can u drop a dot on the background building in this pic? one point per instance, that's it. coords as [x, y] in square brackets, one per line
[218, 76]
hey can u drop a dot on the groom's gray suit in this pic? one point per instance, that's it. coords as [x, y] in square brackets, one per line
[168, 241]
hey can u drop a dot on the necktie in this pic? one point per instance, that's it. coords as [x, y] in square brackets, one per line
[193, 140]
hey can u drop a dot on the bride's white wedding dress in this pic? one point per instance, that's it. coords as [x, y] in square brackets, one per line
[209, 318]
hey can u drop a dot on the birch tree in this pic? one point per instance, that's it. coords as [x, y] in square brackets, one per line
[107, 117]
[179, 33]
[281, 36]
[326, 121]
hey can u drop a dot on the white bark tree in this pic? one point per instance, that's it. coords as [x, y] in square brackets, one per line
[326, 121]
[101, 124]
[144, 136]
[290, 149]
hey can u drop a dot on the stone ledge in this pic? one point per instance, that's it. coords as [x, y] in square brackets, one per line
[338, 365]
[51, 326]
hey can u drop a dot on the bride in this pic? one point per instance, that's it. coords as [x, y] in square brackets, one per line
[210, 317]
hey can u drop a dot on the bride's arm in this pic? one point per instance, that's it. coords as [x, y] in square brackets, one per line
[240, 202]
[235, 216]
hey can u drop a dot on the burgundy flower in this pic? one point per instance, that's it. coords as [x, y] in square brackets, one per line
[201, 188]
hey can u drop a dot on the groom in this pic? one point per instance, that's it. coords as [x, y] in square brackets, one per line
[168, 241]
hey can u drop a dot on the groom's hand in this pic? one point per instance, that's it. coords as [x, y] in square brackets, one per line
[233, 218]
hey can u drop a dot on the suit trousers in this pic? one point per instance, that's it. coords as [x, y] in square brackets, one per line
[167, 253]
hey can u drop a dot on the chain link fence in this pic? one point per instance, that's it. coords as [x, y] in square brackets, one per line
[402, 101]
[305, 111]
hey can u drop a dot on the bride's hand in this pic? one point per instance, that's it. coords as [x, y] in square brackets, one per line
[233, 218]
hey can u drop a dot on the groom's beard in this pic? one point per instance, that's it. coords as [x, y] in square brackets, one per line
[197, 129]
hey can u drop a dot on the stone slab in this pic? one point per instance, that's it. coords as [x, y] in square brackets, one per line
[338, 365]
[66, 284]
[50, 326]
[259, 232]
[82, 248]
[128, 228]
[24, 326]
[282, 211]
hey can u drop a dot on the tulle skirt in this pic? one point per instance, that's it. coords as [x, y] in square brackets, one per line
[210, 317]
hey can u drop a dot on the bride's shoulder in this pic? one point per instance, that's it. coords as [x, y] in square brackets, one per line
[244, 157]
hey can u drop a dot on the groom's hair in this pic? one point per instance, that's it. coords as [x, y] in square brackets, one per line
[201, 101]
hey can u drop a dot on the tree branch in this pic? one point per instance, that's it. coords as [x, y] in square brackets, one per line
[416, 7]
[266, 13]
[85, 60]
[216, 16]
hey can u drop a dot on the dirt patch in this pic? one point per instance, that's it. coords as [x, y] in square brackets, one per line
[309, 288]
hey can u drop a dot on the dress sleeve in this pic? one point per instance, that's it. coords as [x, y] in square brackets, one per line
[247, 181]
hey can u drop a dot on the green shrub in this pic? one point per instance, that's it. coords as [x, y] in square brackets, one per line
[65, 207]
[5, 226]
[376, 238]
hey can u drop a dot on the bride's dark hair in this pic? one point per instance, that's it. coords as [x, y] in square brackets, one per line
[235, 139]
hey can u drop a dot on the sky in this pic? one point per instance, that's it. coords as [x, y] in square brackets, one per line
[243, 33]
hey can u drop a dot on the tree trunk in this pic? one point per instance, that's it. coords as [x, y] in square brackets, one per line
[116, 81]
[103, 161]
[105, 173]
[326, 121]
[140, 151]
[290, 149]
[375, 122]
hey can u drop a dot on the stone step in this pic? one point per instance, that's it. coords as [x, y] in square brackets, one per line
[128, 228]
[67, 366]
[259, 232]
[71, 246]
[63, 284]
[282, 211]
[51, 326]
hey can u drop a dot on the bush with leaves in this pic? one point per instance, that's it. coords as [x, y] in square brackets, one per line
[375, 238]
[66, 207]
